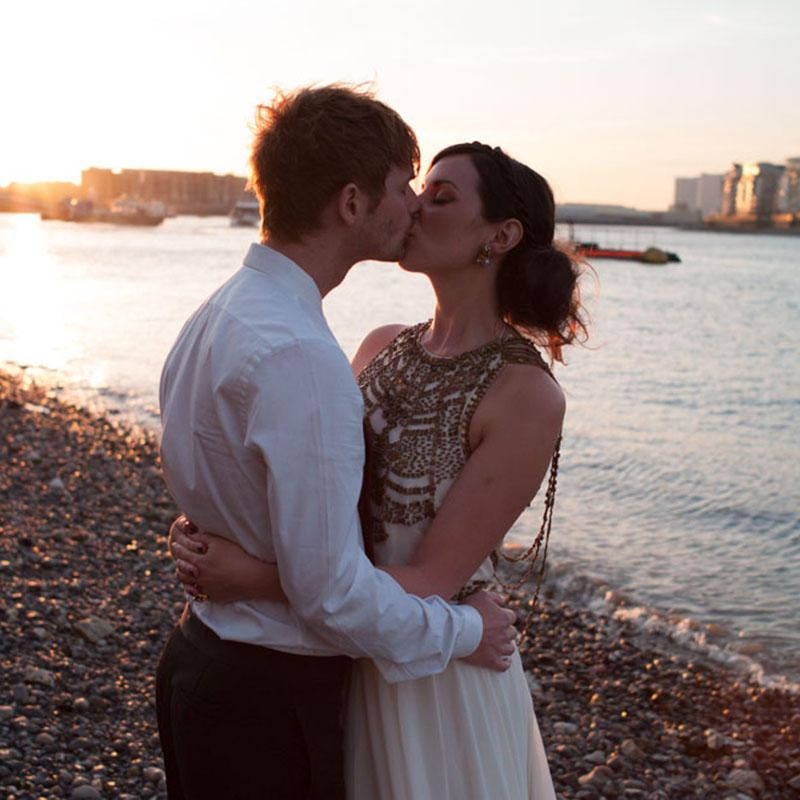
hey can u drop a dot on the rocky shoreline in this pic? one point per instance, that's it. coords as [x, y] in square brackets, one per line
[88, 600]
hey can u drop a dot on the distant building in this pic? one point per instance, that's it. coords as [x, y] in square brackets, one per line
[698, 196]
[686, 194]
[730, 186]
[181, 192]
[788, 199]
[757, 191]
[709, 194]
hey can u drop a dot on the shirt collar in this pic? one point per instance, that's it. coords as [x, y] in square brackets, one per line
[264, 259]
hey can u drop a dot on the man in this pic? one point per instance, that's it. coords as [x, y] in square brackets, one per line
[262, 442]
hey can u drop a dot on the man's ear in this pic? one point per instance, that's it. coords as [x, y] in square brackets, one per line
[507, 236]
[350, 203]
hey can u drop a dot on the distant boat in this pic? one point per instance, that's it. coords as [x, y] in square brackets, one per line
[123, 211]
[246, 214]
[127, 211]
[651, 255]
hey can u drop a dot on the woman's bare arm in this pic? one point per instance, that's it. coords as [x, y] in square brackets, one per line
[213, 567]
[513, 436]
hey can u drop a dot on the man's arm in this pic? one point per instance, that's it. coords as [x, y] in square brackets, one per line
[308, 430]
[212, 567]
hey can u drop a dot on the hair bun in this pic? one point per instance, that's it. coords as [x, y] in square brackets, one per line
[548, 279]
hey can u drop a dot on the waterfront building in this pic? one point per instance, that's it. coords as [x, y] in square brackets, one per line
[709, 194]
[180, 192]
[685, 194]
[788, 200]
[757, 190]
[730, 185]
[701, 196]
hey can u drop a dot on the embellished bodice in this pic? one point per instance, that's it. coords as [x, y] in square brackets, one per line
[418, 410]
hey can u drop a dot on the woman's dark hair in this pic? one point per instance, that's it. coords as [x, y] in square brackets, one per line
[537, 285]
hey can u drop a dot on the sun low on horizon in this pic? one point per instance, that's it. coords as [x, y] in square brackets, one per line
[609, 104]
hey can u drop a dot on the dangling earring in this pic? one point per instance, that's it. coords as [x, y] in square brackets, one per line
[484, 255]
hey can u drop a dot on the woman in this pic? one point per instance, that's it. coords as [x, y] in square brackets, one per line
[463, 418]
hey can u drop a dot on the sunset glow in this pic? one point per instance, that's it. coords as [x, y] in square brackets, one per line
[611, 102]
[33, 305]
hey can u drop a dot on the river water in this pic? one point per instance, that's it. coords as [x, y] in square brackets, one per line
[679, 489]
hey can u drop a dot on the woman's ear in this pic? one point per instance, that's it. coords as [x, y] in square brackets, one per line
[507, 236]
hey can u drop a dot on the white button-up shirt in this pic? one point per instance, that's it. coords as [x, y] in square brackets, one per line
[262, 443]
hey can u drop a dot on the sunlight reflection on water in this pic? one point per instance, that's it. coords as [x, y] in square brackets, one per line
[35, 299]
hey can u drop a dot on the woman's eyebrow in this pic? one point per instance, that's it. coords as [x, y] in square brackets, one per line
[440, 182]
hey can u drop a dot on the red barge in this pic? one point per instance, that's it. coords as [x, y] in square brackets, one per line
[651, 255]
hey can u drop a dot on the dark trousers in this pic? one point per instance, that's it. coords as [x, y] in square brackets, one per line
[244, 722]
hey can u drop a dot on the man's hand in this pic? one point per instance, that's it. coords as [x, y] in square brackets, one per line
[499, 634]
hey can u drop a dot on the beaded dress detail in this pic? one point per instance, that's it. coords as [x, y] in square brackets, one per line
[418, 409]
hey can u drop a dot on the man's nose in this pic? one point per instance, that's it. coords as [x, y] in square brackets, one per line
[414, 204]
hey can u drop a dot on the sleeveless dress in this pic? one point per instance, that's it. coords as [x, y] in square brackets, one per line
[467, 733]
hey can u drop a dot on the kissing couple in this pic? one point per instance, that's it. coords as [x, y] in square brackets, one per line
[301, 667]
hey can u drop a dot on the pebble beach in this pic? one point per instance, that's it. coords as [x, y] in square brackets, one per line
[88, 600]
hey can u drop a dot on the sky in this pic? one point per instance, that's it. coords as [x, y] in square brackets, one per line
[611, 101]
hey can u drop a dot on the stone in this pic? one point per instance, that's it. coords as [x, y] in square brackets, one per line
[630, 749]
[598, 777]
[93, 629]
[565, 728]
[85, 792]
[561, 681]
[597, 757]
[6, 712]
[41, 676]
[80, 704]
[745, 780]
[714, 741]
[153, 774]
[795, 783]
[56, 484]
[21, 694]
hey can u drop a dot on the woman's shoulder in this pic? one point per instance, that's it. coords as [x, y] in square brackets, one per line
[374, 342]
[526, 389]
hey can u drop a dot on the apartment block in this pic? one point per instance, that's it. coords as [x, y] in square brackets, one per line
[180, 192]
[757, 190]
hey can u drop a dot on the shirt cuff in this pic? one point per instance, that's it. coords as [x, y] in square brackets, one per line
[471, 634]
[467, 642]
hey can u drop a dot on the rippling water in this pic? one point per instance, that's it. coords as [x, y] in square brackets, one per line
[680, 479]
